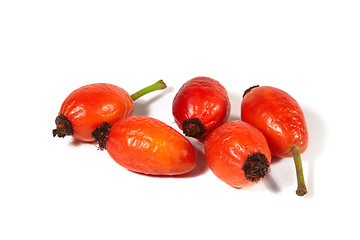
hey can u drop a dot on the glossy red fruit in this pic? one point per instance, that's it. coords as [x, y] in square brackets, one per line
[280, 118]
[90, 105]
[147, 145]
[200, 105]
[237, 153]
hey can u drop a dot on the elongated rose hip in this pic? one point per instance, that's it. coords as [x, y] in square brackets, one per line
[280, 118]
[146, 145]
[90, 105]
[200, 105]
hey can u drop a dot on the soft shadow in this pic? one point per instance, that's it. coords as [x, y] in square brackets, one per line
[275, 159]
[317, 132]
[269, 180]
[271, 184]
[141, 107]
[75, 142]
[233, 117]
[317, 141]
[201, 164]
[235, 99]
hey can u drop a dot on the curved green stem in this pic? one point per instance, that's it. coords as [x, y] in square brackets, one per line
[301, 190]
[156, 86]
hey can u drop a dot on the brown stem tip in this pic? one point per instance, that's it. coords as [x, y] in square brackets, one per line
[249, 89]
[256, 167]
[193, 128]
[63, 127]
[100, 134]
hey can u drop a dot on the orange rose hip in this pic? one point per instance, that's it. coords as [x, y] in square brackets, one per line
[146, 145]
[88, 106]
[237, 153]
[280, 118]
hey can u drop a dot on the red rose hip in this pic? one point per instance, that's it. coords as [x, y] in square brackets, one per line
[146, 145]
[280, 118]
[200, 105]
[237, 153]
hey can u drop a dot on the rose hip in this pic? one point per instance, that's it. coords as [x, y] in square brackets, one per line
[280, 118]
[90, 105]
[146, 145]
[237, 153]
[200, 105]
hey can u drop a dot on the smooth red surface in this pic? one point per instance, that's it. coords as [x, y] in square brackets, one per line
[278, 116]
[228, 147]
[147, 145]
[90, 105]
[203, 98]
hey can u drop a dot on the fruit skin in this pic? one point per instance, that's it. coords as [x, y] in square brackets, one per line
[201, 98]
[228, 147]
[90, 105]
[278, 116]
[146, 145]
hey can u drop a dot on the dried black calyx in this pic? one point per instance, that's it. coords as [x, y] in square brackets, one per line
[249, 89]
[193, 128]
[63, 127]
[256, 167]
[100, 134]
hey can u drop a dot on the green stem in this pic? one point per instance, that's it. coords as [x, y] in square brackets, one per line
[301, 190]
[156, 86]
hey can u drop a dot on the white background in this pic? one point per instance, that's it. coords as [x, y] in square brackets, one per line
[53, 188]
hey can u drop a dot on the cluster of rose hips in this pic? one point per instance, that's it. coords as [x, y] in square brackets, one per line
[238, 152]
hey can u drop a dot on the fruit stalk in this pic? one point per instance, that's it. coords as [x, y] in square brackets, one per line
[156, 86]
[301, 190]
